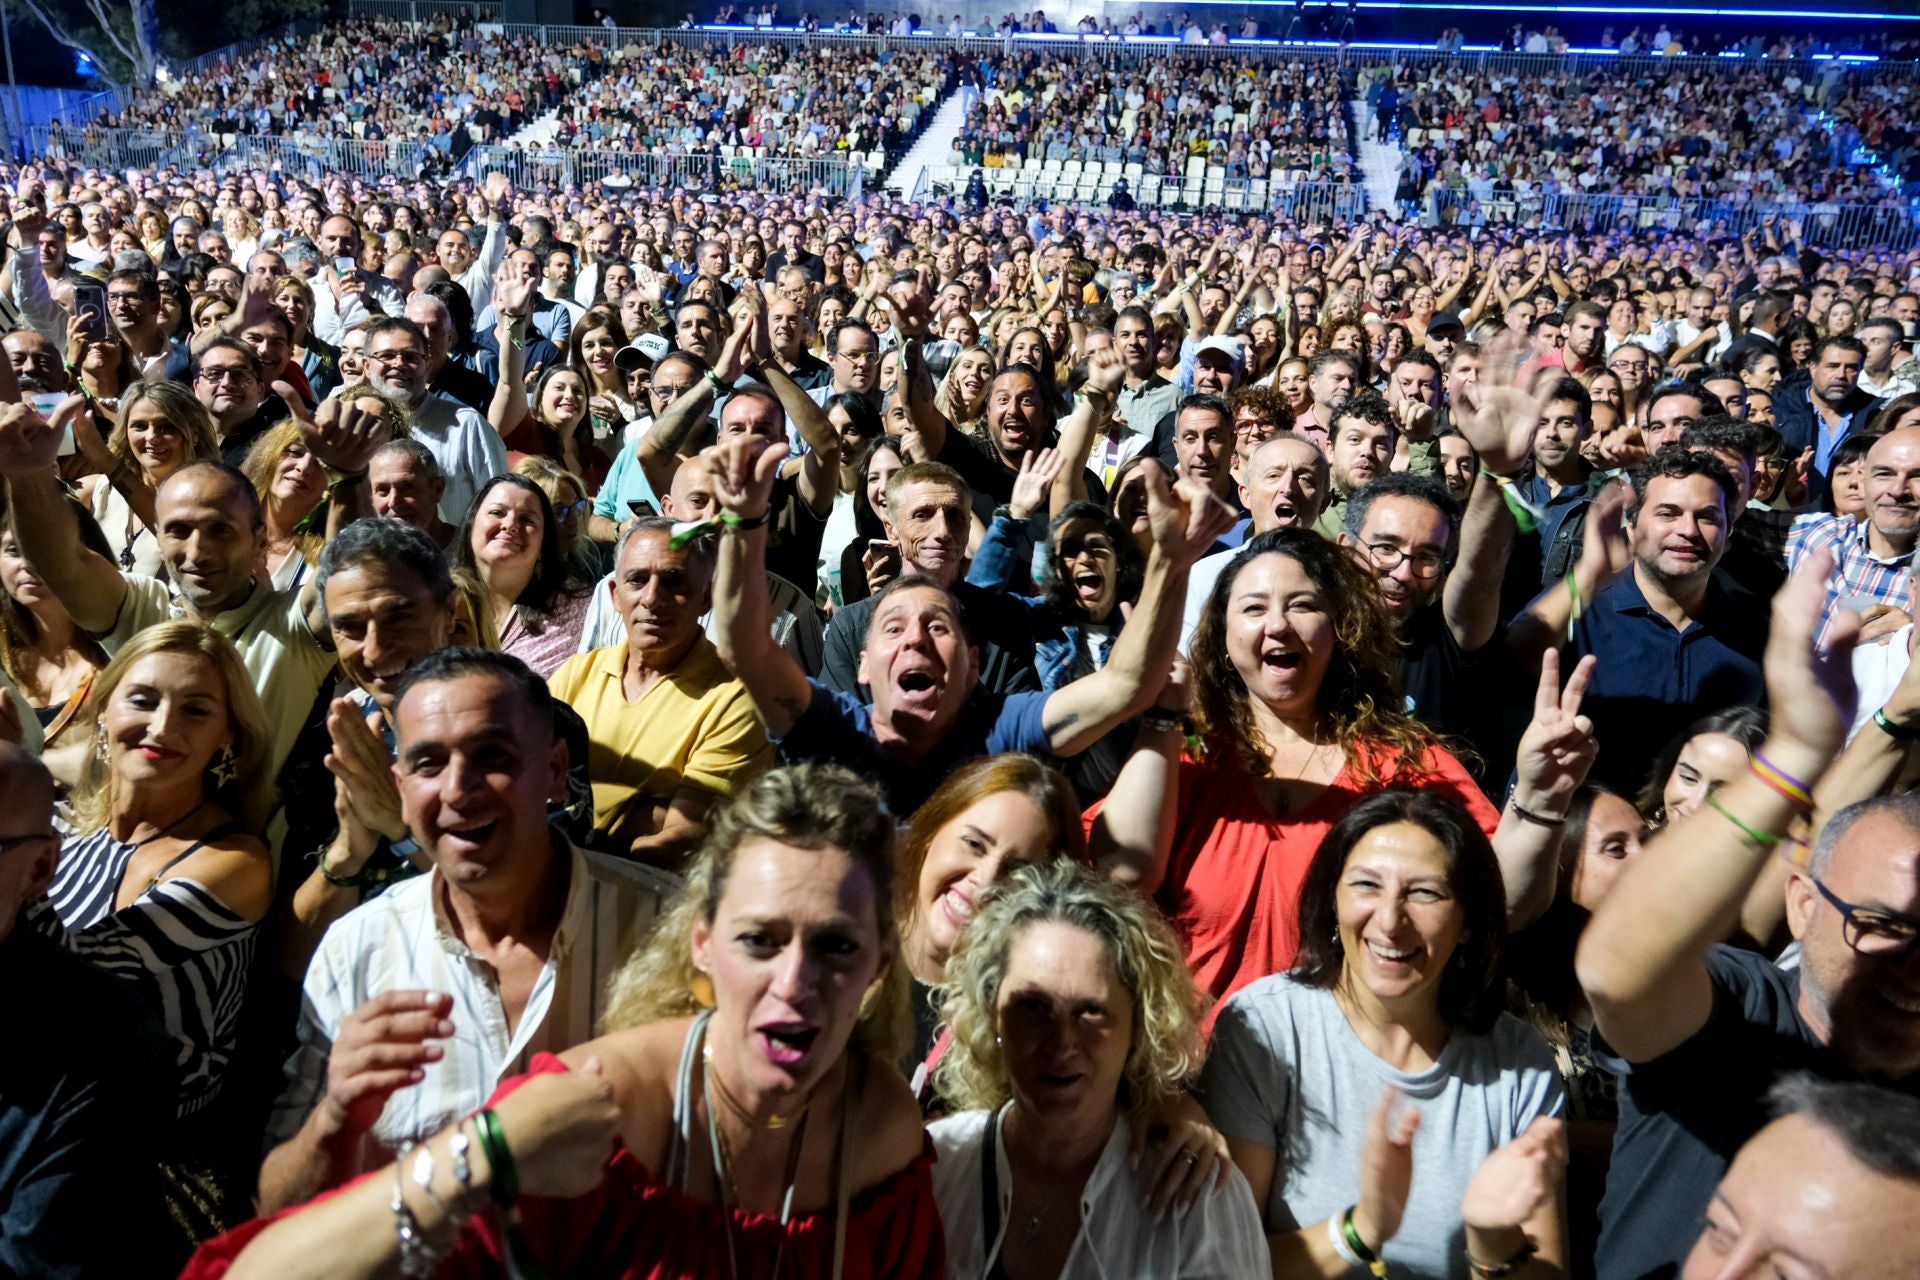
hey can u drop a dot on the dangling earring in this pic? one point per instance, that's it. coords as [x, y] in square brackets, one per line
[224, 767]
[702, 988]
[1336, 938]
[100, 745]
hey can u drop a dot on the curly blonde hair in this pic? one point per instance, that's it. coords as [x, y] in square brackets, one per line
[1359, 698]
[804, 806]
[1166, 1050]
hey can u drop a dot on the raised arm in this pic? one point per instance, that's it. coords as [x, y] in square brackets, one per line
[666, 442]
[1604, 556]
[1185, 521]
[1471, 600]
[1132, 835]
[743, 487]
[1555, 753]
[87, 584]
[1642, 959]
[819, 478]
[512, 309]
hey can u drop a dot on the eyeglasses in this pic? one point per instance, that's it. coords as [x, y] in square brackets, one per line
[14, 842]
[1387, 557]
[388, 358]
[236, 374]
[572, 509]
[859, 357]
[1872, 933]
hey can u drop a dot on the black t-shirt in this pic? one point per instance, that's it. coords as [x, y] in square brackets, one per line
[991, 479]
[1684, 1116]
[793, 543]
[1443, 683]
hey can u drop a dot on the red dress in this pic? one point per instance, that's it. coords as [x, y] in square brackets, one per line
[1232, 889]
[632, 1227]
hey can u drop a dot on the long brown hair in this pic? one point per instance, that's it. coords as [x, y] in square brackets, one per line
[1359, 698]
[973, 782]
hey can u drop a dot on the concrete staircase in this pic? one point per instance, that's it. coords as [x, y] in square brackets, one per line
[932, 147]
[537, 132]
[1379, 161]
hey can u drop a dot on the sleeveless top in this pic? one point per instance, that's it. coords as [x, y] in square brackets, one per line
[634, 1226]
[181, 945]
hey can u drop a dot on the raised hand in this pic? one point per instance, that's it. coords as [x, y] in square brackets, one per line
[363, 767]
[745, 470]
[1386, 1171]
[1558, 746]
[1034, 482]
[1809, 685]
[1186, 520]
[911, 304]
[1106, 371]
[1513, 1183]
[512, 294]
[29, 444]
[1507, 410]
[383, 1046]
[345, 436]
[1605, 550]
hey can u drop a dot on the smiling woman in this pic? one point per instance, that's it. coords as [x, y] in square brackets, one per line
[1402, 921]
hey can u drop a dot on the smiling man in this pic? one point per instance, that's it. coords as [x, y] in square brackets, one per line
[464, 974]
[928, 713]
[1283, 485]
[1673, 640]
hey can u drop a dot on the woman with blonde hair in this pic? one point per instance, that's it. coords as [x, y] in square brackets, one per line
[1071, 1008]
[164, 882]
[963, 391]
[292, 485]
[569, 495]
[161, 427]
[320, 361]
[745, 1069]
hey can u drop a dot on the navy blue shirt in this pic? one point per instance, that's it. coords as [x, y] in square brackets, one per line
[837, 728]
[1651, 681]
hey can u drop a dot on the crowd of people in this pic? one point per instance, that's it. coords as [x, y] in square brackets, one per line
[1244, 118]
[775, 99]
[449, 84]
[1190, 745]
[1751, 135]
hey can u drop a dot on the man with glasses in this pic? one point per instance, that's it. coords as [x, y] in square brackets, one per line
[468, 450]
[229, 380]
[1631, 364]
[853, 356]
[1699, 1032]
[70, 1109]
[133, 304]
[1404, 529]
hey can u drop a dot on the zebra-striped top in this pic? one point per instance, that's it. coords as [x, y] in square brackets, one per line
[176, 941]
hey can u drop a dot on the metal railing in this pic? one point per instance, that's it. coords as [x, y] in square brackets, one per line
[532, 168]
[1825, 224]
[312, 156]
[425, 10]
[1303, 201]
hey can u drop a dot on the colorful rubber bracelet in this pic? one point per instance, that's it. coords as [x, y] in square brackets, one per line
[1756, 837]
[1784, 784]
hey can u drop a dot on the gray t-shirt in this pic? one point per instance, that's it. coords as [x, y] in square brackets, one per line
[1287, 1071]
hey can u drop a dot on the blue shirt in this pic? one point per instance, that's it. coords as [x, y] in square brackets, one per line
[1652, 681]
[837, 728]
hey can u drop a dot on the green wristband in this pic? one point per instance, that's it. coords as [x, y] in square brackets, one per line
[493, 1141]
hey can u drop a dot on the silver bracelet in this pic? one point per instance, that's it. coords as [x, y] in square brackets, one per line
[416, 1256]
[457, 1147]
[423, 1179]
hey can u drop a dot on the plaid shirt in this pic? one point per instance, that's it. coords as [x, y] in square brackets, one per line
[1860, 578]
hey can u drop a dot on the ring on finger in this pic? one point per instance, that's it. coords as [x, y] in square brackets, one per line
[1191, 1158]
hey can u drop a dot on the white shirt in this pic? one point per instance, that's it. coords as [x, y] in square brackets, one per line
[468, 449]
[332, 318]
[1218, 1237]
[401, 941]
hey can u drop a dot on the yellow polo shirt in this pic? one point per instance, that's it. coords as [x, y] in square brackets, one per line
[694, 728]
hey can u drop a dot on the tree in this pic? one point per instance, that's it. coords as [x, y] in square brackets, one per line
[132, 34]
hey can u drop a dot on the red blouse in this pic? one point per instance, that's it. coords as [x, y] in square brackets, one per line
[1232, 888]
[633, 1228]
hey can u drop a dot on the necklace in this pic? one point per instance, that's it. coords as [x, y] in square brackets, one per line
[154, 879]
[738, 1108]
[722, 1153]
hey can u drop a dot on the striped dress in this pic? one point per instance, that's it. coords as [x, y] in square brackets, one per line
[180, 945]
